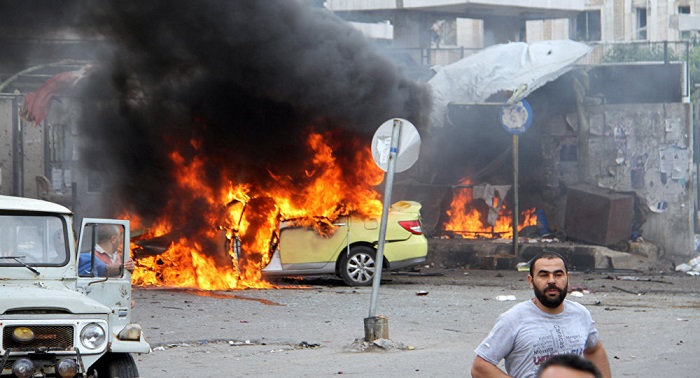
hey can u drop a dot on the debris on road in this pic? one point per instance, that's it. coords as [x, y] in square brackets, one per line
[362, 345]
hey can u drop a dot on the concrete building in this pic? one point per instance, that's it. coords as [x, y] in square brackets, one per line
[477, 24]
[627, 20]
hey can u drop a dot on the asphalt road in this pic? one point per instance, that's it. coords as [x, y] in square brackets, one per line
[313, 327]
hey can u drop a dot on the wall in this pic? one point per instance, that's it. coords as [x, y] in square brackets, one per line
[645, 149]
[6, 148]
[33, 157]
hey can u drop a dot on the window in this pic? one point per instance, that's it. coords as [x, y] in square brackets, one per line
[642, 23]
[33, 240]
[684, 9]
[588, 26]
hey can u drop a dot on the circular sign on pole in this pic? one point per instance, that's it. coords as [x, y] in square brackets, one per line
[516, 118]
[408, 149]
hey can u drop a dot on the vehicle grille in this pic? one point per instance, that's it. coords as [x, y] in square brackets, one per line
[49, 337]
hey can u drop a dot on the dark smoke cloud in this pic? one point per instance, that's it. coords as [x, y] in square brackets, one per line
[244, 77]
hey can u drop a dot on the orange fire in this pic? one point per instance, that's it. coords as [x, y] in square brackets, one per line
[247, 214]
[467, 218]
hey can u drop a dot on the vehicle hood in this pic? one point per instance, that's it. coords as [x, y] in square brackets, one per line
[38, 296]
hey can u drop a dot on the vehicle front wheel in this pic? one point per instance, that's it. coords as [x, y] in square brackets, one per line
[113, 365]
[357, 268]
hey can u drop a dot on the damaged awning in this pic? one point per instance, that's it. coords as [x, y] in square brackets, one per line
[516, 66]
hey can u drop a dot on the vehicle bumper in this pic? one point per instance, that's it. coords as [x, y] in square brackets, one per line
[410, 252]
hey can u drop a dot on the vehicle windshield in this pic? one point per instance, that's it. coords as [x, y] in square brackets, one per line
[33, 240]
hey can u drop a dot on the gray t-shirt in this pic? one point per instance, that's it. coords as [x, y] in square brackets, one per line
[527, 336]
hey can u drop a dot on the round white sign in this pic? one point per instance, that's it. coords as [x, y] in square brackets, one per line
[408, 148]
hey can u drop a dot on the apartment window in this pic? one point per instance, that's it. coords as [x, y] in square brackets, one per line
[684, 9]
[641, 23]
[588, 26]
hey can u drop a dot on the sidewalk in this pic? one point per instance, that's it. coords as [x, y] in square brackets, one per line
[498, 254]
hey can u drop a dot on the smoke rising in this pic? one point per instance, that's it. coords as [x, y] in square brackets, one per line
[243, 78]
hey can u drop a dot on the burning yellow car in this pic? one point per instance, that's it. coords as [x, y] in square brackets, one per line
[350, 252]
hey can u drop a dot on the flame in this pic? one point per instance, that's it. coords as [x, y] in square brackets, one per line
[247, 214]
[467, 218]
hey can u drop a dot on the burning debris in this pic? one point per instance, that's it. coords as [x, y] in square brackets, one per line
[480, 211]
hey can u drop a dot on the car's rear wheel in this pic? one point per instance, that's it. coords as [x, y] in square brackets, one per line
[357, 268]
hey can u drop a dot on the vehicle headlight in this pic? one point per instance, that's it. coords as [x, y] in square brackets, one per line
[67, 368]
[23, 368]
[92, 336]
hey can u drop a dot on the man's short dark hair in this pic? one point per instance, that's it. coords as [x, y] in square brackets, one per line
[547, 255]
[573, 361]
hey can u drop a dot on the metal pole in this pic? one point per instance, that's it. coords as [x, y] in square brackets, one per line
[389, 182]
[515, 194]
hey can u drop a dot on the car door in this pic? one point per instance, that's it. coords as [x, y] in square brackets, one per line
[113, 291]
[305, 248]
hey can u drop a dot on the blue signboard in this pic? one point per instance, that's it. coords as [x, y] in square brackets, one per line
[516, 118]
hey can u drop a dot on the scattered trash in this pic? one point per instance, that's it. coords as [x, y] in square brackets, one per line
[634, 278]
[692, 267]
[629, 278]
[503, 298]
[577, 294]
[523, 267]
[361, 345]
[422, 292]
[582, 289]
[685, 268]
[306, 345]
[629, 291]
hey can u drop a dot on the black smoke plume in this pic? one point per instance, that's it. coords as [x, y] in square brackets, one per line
[245, 78]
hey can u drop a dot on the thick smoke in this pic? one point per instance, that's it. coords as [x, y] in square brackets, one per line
[243, 78]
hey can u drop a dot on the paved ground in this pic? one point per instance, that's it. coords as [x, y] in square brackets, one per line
[311, 327]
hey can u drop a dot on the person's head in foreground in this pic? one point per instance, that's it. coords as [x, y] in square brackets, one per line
[568, 366]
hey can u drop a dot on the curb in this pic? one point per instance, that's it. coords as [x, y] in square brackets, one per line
[498, 254]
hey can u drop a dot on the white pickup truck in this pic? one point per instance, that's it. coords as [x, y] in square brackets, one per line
[57, 319]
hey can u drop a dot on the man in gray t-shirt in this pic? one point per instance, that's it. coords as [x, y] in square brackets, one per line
[532, 331]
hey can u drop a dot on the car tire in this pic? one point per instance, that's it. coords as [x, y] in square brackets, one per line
[120, 365]
[357, 267]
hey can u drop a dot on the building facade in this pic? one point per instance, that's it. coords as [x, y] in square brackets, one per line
[478, 24]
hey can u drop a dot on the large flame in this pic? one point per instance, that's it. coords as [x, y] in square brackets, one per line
[468, 220]
[248, 214]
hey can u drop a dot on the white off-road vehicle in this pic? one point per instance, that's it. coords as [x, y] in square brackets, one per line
[57, 317]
